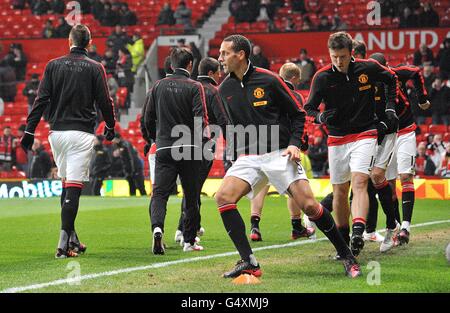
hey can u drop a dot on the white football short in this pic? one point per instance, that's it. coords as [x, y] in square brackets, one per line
[72, 152]
[404, 158]
[385, 151]
[355, 156]
[273, 168]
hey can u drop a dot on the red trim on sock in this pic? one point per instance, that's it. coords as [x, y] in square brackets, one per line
[227, 207]
[408, 186]
[381, 185]
[74, 185]
[63, 184]
[318, 214]
[255, 215]
[359, 220]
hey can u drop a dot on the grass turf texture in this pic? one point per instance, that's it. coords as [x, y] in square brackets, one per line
[117, 233]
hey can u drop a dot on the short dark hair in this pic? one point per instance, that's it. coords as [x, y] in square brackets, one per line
[340, 40]
[379, 57]
[181, 57]
[80, 35]
[359, 47]
[167, 66]
[240, 43]
[208, 64]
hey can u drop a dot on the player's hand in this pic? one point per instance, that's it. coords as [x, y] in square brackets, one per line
[327, 117]
[391, 121]
[293, 152]
[381, 131]
[27, 141]
[109, 133]
[146, 149]
[425, 106]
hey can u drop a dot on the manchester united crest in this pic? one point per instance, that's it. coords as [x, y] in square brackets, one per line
[258, 93]
[363, 79]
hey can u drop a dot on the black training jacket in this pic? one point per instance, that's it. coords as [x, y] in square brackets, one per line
[72, 87]
[261, 99]
[352, 94]
[174, 101]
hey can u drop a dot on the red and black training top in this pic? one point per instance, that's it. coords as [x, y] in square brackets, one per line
[263, 99]
[353, 95]
[72, 89]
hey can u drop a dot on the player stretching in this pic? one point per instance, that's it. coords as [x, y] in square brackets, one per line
[259, 100]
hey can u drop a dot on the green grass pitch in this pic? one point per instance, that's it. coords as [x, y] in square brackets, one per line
[117, 233]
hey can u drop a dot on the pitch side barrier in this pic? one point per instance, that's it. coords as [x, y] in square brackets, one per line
[430, 188]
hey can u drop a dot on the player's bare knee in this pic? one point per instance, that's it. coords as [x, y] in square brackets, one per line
[222, 197]
[377, 178]
[310, 207]
[404, 178]
[359, 182]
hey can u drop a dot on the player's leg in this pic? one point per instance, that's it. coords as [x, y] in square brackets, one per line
[243, 178]
[301, 192]
[256, 206]
[189, 175]
[165, 177]
[361, 162]
[341, 209]
[298, 230]
[370, 234]
[406, 156]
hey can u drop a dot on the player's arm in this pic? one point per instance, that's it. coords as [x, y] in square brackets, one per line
[199, 108]
[41, 102]
[103, 98]
[389, 78]
[144, 130]
[314, 99]
[413, 73]
[149, 116]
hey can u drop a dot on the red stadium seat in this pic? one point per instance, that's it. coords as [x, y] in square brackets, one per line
[434, 129]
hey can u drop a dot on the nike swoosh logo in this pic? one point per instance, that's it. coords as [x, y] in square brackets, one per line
[406, 201]
[229, 97]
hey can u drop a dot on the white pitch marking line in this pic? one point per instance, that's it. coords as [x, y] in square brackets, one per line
[165, 264]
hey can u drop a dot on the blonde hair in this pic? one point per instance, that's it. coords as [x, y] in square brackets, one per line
[289, 70]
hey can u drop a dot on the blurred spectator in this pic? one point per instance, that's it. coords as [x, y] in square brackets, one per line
[314, 6]
[307, 68]
[197, 58]
[8, 83]
[258, 59]
[436, 149]
[30, 90]
[100, 165]
[318, 154]
[440, 102]
[409, 19]
[387, 8]
[92, 53]
[49, 30]
[2, 106]
[124, 75]
[98, 6]
[41, 163]
[17, 60]
[307, 24]
[443, 58]
[165, 16]
[109, 61]
[40, 7]
[267, 11]
[298, 6]
[445, 165]
[113, 87]
[137, 51]
[428, 17]
[18, 4]
[424, 164]
[182, 15]
[7, 149]
[63, 29]
[109, 17]
[57, 7]
[53, 173]
[337, 24]
[290, 25]
[21, 154]
[116, 169]
[118, 39]
[324, 24]
[127, 17]
[132, 165]
[423, 56]
[429, 77]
